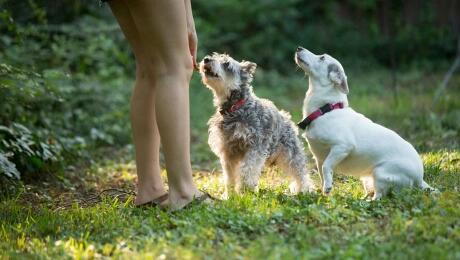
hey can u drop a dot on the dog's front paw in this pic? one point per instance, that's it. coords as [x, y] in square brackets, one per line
[368, 195]
[226, 195]
[295, 188]
[377, 196]
[248, 188]
[311, 189]
[327, 189]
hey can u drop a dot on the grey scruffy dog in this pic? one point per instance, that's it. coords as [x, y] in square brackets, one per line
[247, 132]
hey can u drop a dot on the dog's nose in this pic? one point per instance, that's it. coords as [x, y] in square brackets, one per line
[206, 60]
[300, 48]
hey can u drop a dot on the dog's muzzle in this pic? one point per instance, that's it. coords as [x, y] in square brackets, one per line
[207, 69]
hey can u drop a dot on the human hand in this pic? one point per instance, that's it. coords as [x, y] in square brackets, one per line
[193, 45]
[192, 38]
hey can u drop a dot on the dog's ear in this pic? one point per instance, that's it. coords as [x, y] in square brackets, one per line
[249, 67]
[337, 76]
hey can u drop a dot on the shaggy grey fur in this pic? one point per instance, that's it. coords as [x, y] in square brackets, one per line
[254, 135]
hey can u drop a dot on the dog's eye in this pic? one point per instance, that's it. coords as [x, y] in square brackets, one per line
[226, 64]
[322, 58]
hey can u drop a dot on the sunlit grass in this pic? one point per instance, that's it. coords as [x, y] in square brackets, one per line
[270, 223]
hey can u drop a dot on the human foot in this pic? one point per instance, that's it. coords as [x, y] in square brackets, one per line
[148, 194]
[186, 202]
[157, 202]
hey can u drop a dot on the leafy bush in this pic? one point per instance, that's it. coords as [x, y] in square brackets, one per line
[7, 167]
[48, 117]
[89, 47]
[70, 99]
[24, 151]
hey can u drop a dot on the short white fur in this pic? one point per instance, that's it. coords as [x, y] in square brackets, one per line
[349, 143]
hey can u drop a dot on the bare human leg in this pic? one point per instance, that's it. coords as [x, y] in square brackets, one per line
[143, 119]
[164, 54]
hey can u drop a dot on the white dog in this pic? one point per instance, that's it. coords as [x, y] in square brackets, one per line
[342, 139]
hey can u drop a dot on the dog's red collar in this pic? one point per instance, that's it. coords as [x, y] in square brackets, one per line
[234, 107]
[319, 112]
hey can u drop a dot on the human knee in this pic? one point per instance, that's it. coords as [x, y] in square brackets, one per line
[154, 70]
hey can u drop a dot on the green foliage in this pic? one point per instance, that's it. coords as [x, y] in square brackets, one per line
[27, 99]
[49, 116]
[51, 91]
[268, 32]
[417, 43]
[28, 152]
[7, 167]
[77, 48]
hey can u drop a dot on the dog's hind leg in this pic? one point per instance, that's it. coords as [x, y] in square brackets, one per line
[368, 184]
[397, 174]
[294, 164]
[388, 176]
[319, 166]
[382, 183]
[335, 156]
[250, 170]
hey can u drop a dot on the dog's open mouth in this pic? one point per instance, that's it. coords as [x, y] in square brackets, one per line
[209, 73]
[300, 60]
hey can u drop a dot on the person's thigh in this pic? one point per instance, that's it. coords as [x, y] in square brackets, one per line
[121, 12]
[162, 29]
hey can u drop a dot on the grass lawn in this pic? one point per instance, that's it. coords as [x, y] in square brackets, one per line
[61, 218]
